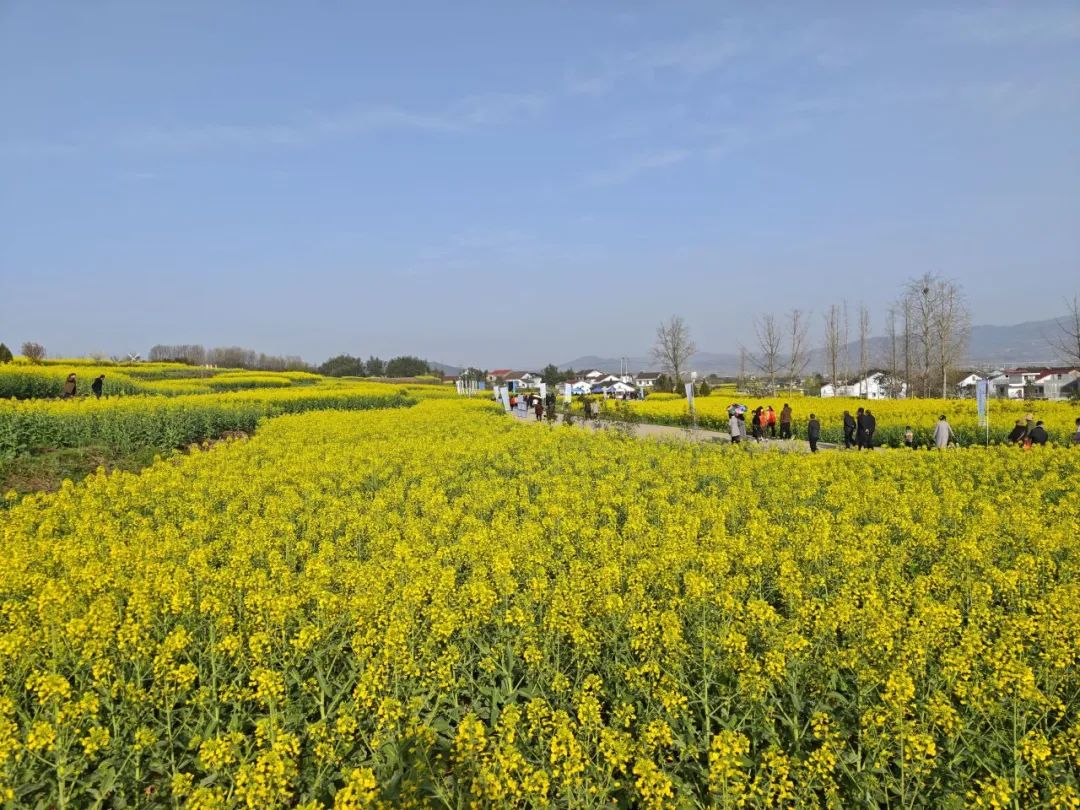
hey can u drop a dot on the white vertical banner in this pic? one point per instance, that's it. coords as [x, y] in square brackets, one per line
[543, 390]
[460, 387]
[567, 395]
[690, 395]
[505, 394]
[981, 390]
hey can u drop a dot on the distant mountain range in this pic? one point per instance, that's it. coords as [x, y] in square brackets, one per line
[449, 371]
[1022, 344]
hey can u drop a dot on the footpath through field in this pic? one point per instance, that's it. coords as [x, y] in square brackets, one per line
[670, 432]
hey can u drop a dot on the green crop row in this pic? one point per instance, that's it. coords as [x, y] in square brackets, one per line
[128, 423]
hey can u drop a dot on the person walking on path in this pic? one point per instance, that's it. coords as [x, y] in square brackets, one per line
[97, 385]
[785, 422]
[860, 428]
[69, 386]
[869, 426]
[755, 424]
[813, 432]
[770, 420]
[538, 409]
[1019, 433]
[742, 426]
[942, 433]
[734, 429]
[1037, 435]
[849, 430]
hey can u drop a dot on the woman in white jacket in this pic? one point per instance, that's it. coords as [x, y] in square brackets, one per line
[734, 429]
[942, 433]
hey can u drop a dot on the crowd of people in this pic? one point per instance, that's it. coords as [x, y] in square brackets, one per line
[524, 404]
[764, 421]
[1028, 432]
[859, 429]
[71, 386]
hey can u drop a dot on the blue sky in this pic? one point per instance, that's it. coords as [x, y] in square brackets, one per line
[516, 183]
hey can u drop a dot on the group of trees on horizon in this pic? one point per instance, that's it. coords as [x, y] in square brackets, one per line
[345, 365]
[927, 330]
[194, 354]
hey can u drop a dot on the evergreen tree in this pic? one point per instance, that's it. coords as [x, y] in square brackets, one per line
[5, 354]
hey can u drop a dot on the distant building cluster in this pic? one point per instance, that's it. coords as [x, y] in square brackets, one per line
[590, 381]
[1030, 382]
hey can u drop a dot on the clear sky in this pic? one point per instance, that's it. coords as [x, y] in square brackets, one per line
[512, 183]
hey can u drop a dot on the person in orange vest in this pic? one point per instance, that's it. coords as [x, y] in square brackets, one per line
[771, 421]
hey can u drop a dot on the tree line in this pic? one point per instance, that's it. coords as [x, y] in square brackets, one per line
[927, 330]
[345, 365]
[194, 354]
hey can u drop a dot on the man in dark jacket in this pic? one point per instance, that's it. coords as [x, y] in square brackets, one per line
[813, 432]
[1038, 434]
[849, 430]
[1019, 433]
[860, 428]
[869, 426]
[97, 385]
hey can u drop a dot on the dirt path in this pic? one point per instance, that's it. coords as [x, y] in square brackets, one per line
[668, 432]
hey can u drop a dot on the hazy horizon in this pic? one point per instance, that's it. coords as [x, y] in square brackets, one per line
[489, 184]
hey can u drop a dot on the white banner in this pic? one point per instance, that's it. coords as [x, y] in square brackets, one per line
[460, 387]
[982, 389]
[690, 395]
[543, 390]
[567, 395]
[505, 394]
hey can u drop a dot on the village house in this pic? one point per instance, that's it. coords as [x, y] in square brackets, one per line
[875, 385]
[517, 380]
[646, 379]
[1034, 382]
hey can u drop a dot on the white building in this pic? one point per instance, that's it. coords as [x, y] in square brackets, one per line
[873, 386]
[1050, 385]
[522, 379]
[1034, 382]
[646, 379]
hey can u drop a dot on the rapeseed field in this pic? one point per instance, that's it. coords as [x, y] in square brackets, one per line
[437, 606]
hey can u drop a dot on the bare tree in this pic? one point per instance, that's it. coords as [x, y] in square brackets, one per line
[833, 342]
[1066, 343]
[799, 323]
[890, 327]
[864, 348]
[939, 325]
[905, 309]
[845, 339]
[769, 340]
[952, 328]
[34, 352]
[673, 348]
[918, 293]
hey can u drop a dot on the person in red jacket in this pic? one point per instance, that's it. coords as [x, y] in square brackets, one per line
[770, 415]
